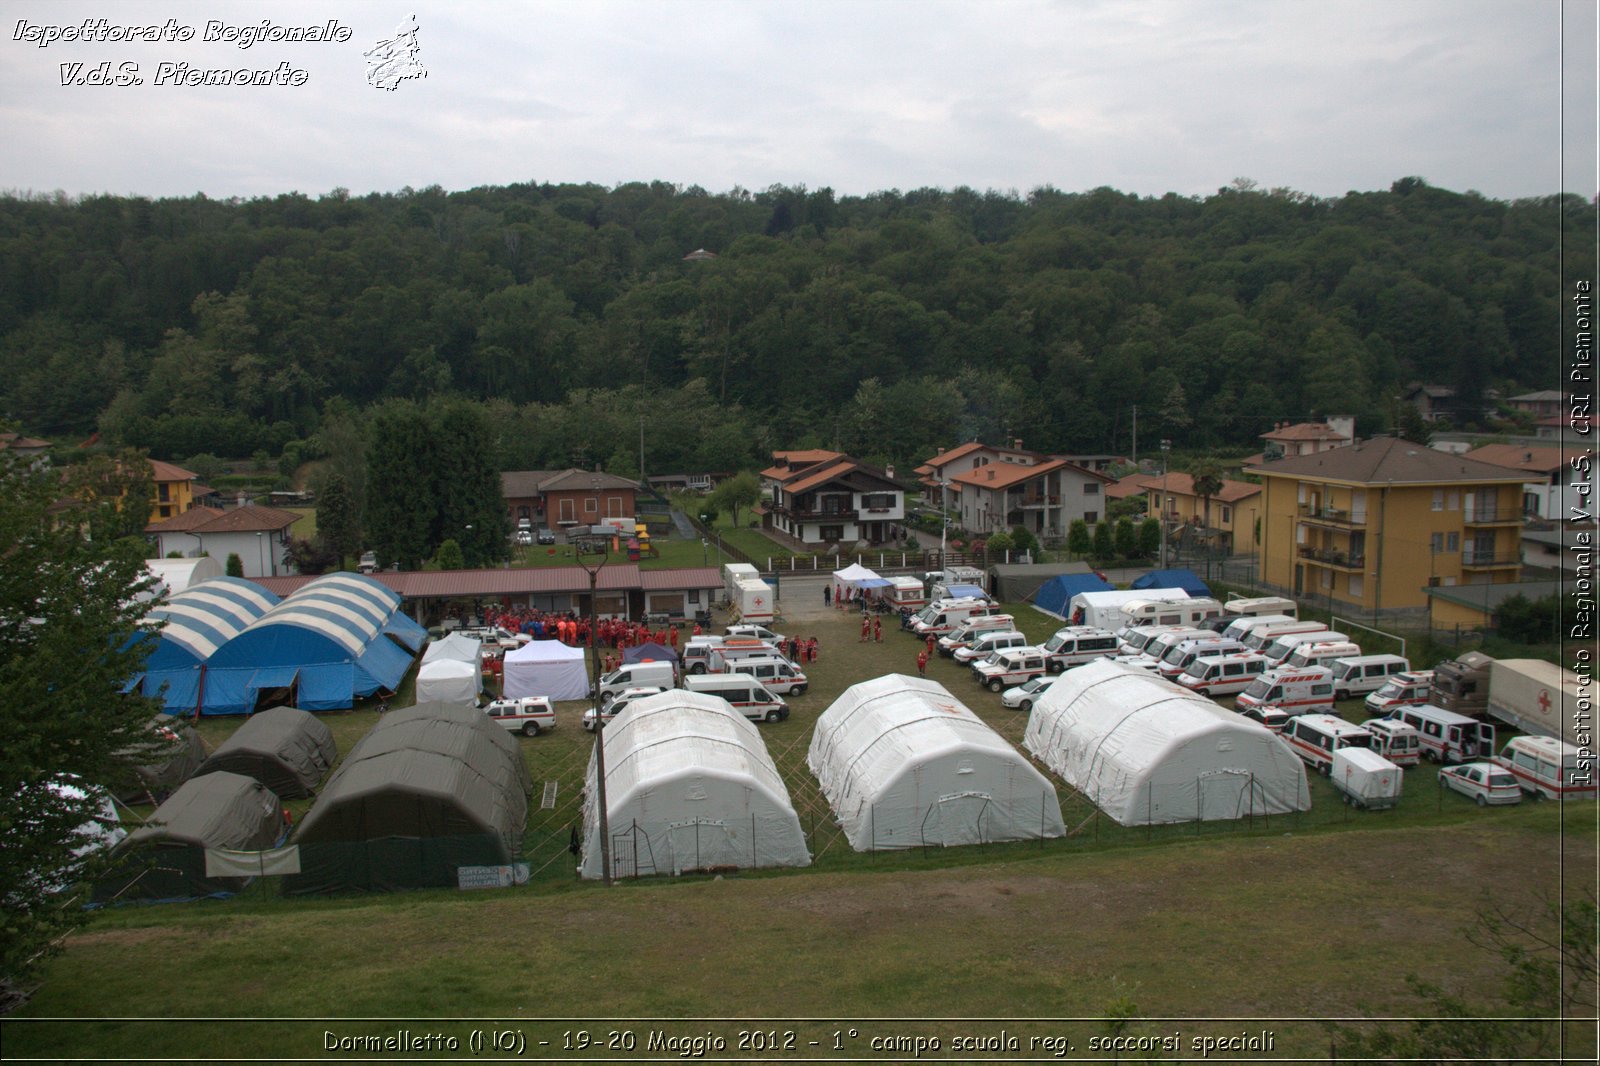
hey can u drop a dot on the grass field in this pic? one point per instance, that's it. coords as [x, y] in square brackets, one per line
[1305, 916]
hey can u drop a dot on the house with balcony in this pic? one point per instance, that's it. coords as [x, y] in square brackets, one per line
[1226, 523]
[820, 498]
[1044, 498]
[173, 488]
[938, 476]
[1371, 526]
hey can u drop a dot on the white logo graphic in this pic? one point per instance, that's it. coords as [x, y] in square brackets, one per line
[395, 60]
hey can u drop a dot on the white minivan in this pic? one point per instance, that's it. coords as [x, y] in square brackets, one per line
[1546, 768]
[1315, 737]
[967, 631]
[1180, 655]
[1076, 645]
[1223, 675]
[744, 694]
[943, 616]
[776, 674]
[652, 674]
[1447, 736]
[1304, 691]
[1283, 646]
[987, 644]
[1358, 675]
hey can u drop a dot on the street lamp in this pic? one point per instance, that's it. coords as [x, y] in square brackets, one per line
[944, 517]
[261, 553]
[1166, 449]
[591, 556]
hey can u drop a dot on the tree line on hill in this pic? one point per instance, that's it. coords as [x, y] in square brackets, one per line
[890, 325]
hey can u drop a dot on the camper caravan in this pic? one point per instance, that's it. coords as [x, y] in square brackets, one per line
[906, 593]
[1104, 609]
[1322, 653]
[1243, 626]
[1262, 637]
[1261, 605]
[1186, 612]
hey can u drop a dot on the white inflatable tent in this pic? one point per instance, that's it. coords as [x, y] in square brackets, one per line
[546, 668]
[689, 786]
[1149, 752]
[905, 764]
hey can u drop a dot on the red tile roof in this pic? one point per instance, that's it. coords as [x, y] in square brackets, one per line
[248, 519]
[1132, 485]
[1518, 457]
[1305, 431]
[1178, 484]
[522, 581]
[1004, 475]
[161, 471]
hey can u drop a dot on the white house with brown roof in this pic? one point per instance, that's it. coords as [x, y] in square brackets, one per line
[819, 497]
[1550, 489]
[938, 474]
[258, 535]
[1044, 497]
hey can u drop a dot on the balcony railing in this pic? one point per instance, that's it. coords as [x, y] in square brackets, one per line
[1487, 560]
[1335, 515]
[1481, 516]
[1332, 557]
[1037, 500]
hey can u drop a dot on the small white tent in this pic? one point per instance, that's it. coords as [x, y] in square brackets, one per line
[449, 681]
[546, 668]
[904, 763]
[1148, 752]
[451, 671]
[853, 575]
[689, 786]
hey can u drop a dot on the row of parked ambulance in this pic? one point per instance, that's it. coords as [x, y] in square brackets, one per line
[1283, 672]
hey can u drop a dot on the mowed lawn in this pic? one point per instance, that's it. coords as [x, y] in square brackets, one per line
[1313, 915]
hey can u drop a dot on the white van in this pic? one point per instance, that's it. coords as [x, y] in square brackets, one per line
[1240, 628]
[1163, 643]
[972, 628]
[1132, 640]
[1395, 741]
[1010, 666]
[1546, 767]
[986, 644]
[1260, 605]
[1171, 612]
[1281, 647]
[1305, 691]
[1402, 689]
[1177, 658]
[1261, 637]
[744, 694]
[776, 674]
[1223, 675]
[1360, 674]
[943, 616]
[1321, 653]
[529, 715]
[654, 674]
[1447, 736]
[1315, 737]
[1076, 645]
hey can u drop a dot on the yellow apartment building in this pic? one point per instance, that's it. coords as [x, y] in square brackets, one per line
[1373, 525]
[1232, 519]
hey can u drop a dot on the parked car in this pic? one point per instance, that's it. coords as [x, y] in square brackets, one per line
[530, 715]
[524, 538]
[619, 701]
[1485, 782]
[1022, 697]
[754, 632]
[545, 536]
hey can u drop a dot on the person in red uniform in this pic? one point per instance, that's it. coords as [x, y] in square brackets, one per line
[866, 628]
[877, 629]
[922, 663]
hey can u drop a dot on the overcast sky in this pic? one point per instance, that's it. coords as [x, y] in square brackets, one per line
[1146, 97]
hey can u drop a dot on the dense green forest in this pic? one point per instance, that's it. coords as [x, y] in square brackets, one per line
[889, 325]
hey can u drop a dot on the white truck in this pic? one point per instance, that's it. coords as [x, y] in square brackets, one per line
[1366, 778]
[530, 715]
[1540, 698]
[754, 600]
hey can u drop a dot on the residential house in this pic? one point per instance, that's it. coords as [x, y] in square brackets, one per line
[1371, 526]
[558, 499]
[819, 497]
[29, 448]
[1134, 486]
[937, 474]
[257, 535]
[1559, 549]
[174, 489]
[1549, 490]
[1545, 403]
[1044, 497]
[1307, 438]
[1431, 401]
[1229, 522]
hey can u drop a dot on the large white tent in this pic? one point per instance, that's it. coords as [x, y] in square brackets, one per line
[904, 764]
[451, 671]
[1148, 752]
[546, 668]
[689, 786]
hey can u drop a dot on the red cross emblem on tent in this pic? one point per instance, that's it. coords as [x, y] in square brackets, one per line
[1544, 700]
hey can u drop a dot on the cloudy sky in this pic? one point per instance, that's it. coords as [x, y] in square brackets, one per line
[1146, 97]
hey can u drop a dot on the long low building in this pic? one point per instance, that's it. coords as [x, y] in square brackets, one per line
[623, 590]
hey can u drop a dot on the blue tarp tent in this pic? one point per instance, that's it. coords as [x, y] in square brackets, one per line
[1186, 580]
[194, 624]
[1056, 593]
[337, 639]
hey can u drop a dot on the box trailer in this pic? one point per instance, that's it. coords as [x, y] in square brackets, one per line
[1540, 698]
[1365, 778]
[732, 574]
[755, 600]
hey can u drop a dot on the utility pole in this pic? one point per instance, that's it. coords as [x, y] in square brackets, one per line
[593, 560]
[641, 450]
[1135, 435]
[1166, 448]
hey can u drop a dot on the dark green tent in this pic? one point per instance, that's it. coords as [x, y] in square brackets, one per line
[170, 757]
[284, 748]
[166, 857]
[428, 789]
